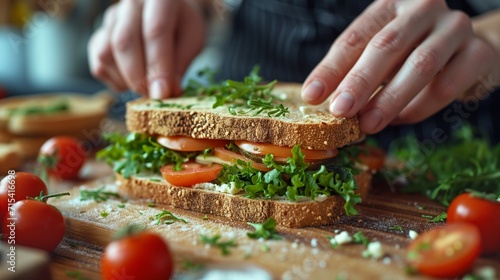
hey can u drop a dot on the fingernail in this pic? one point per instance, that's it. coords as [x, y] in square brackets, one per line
[158, 89]
[342, 103]
[313, 91]
[371, 120]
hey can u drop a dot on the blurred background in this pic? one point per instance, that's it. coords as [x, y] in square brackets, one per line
[43, 44]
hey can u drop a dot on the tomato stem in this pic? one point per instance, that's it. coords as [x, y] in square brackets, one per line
[44, 198]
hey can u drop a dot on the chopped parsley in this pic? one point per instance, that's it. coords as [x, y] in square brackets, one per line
[437, 219]
[98, 195]
[360, 238]
[222, 245]
[104, 213]
[266, 230]
[167, 218]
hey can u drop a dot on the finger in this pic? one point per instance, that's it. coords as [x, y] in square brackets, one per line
[345, 51]
[455, 79]
[159, 34]
[101, 61]
[385, 51]
[419, 69]
[126, 42]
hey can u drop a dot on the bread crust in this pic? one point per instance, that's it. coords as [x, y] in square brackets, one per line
[238, 207]
[311, 127]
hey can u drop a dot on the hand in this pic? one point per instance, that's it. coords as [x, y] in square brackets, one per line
[424, 54]
[147, 45]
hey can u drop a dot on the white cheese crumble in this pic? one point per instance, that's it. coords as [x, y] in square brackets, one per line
[341, 238]
[314, 242]
[374, 250]
[412, 234]
[487, 273]
[224, 188]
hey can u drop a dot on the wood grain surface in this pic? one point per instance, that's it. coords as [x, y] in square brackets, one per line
[301, 254]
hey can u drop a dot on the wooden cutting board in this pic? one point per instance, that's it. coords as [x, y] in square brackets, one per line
[301, 254]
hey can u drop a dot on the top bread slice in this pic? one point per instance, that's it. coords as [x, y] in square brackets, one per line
[313, 127]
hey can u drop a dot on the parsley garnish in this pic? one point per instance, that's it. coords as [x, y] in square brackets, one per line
[167, 218]
[439, 218]
[250, 95]
[134, 153]
[360, 238]
[98, 195]
[190, 266]
[396, 227]
[449, 169]
[222, 245]
[104, 214]
[266, 230]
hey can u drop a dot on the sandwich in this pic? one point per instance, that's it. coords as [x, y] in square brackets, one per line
[245, 150]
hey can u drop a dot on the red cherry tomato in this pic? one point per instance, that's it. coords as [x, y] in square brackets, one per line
[483, 213]
[18, 186]
[447, 251]
[192, 173]
[63, 157]
[35, 224]
[141, 256]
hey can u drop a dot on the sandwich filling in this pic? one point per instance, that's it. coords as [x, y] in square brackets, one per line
[255, 170]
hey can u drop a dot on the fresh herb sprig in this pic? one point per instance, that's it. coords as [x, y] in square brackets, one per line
[292, 180]
[266, 230]
[249, 96]
[436, 219]
[99, 195]
[222, 245]
[166, 217]
[134, 153]
[463, 162]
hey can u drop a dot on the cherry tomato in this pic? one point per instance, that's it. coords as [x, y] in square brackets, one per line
[192, 173]
[188, 144]
[35, 224]
[230, 156]
[18, 187]
[141, 256]
[483, 213]
[373, 157]
[63, 157]
[447, 251]
[283, 152]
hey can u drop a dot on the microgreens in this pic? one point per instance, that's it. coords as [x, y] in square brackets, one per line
[250, 95]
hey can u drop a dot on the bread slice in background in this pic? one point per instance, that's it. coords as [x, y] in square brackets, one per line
[313, 127]
[29, 132]
[237, 207]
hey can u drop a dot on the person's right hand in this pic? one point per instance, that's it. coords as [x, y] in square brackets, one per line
[147, 45]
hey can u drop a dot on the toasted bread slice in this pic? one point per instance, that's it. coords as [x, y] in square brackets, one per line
[313, 127]
[10, 158]
[84, 112]
[237, 207]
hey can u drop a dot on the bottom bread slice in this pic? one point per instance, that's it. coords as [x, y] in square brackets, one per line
[237, 207]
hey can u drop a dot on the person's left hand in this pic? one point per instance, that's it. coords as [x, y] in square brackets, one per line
[424, 54]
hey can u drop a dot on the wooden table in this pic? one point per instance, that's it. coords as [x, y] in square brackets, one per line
[301, 254]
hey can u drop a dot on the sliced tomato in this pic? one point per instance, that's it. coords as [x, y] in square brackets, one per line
[230, 156]
[283, 152]
[373, 157]
[192, 173]
[447, 251]
[188, 144]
